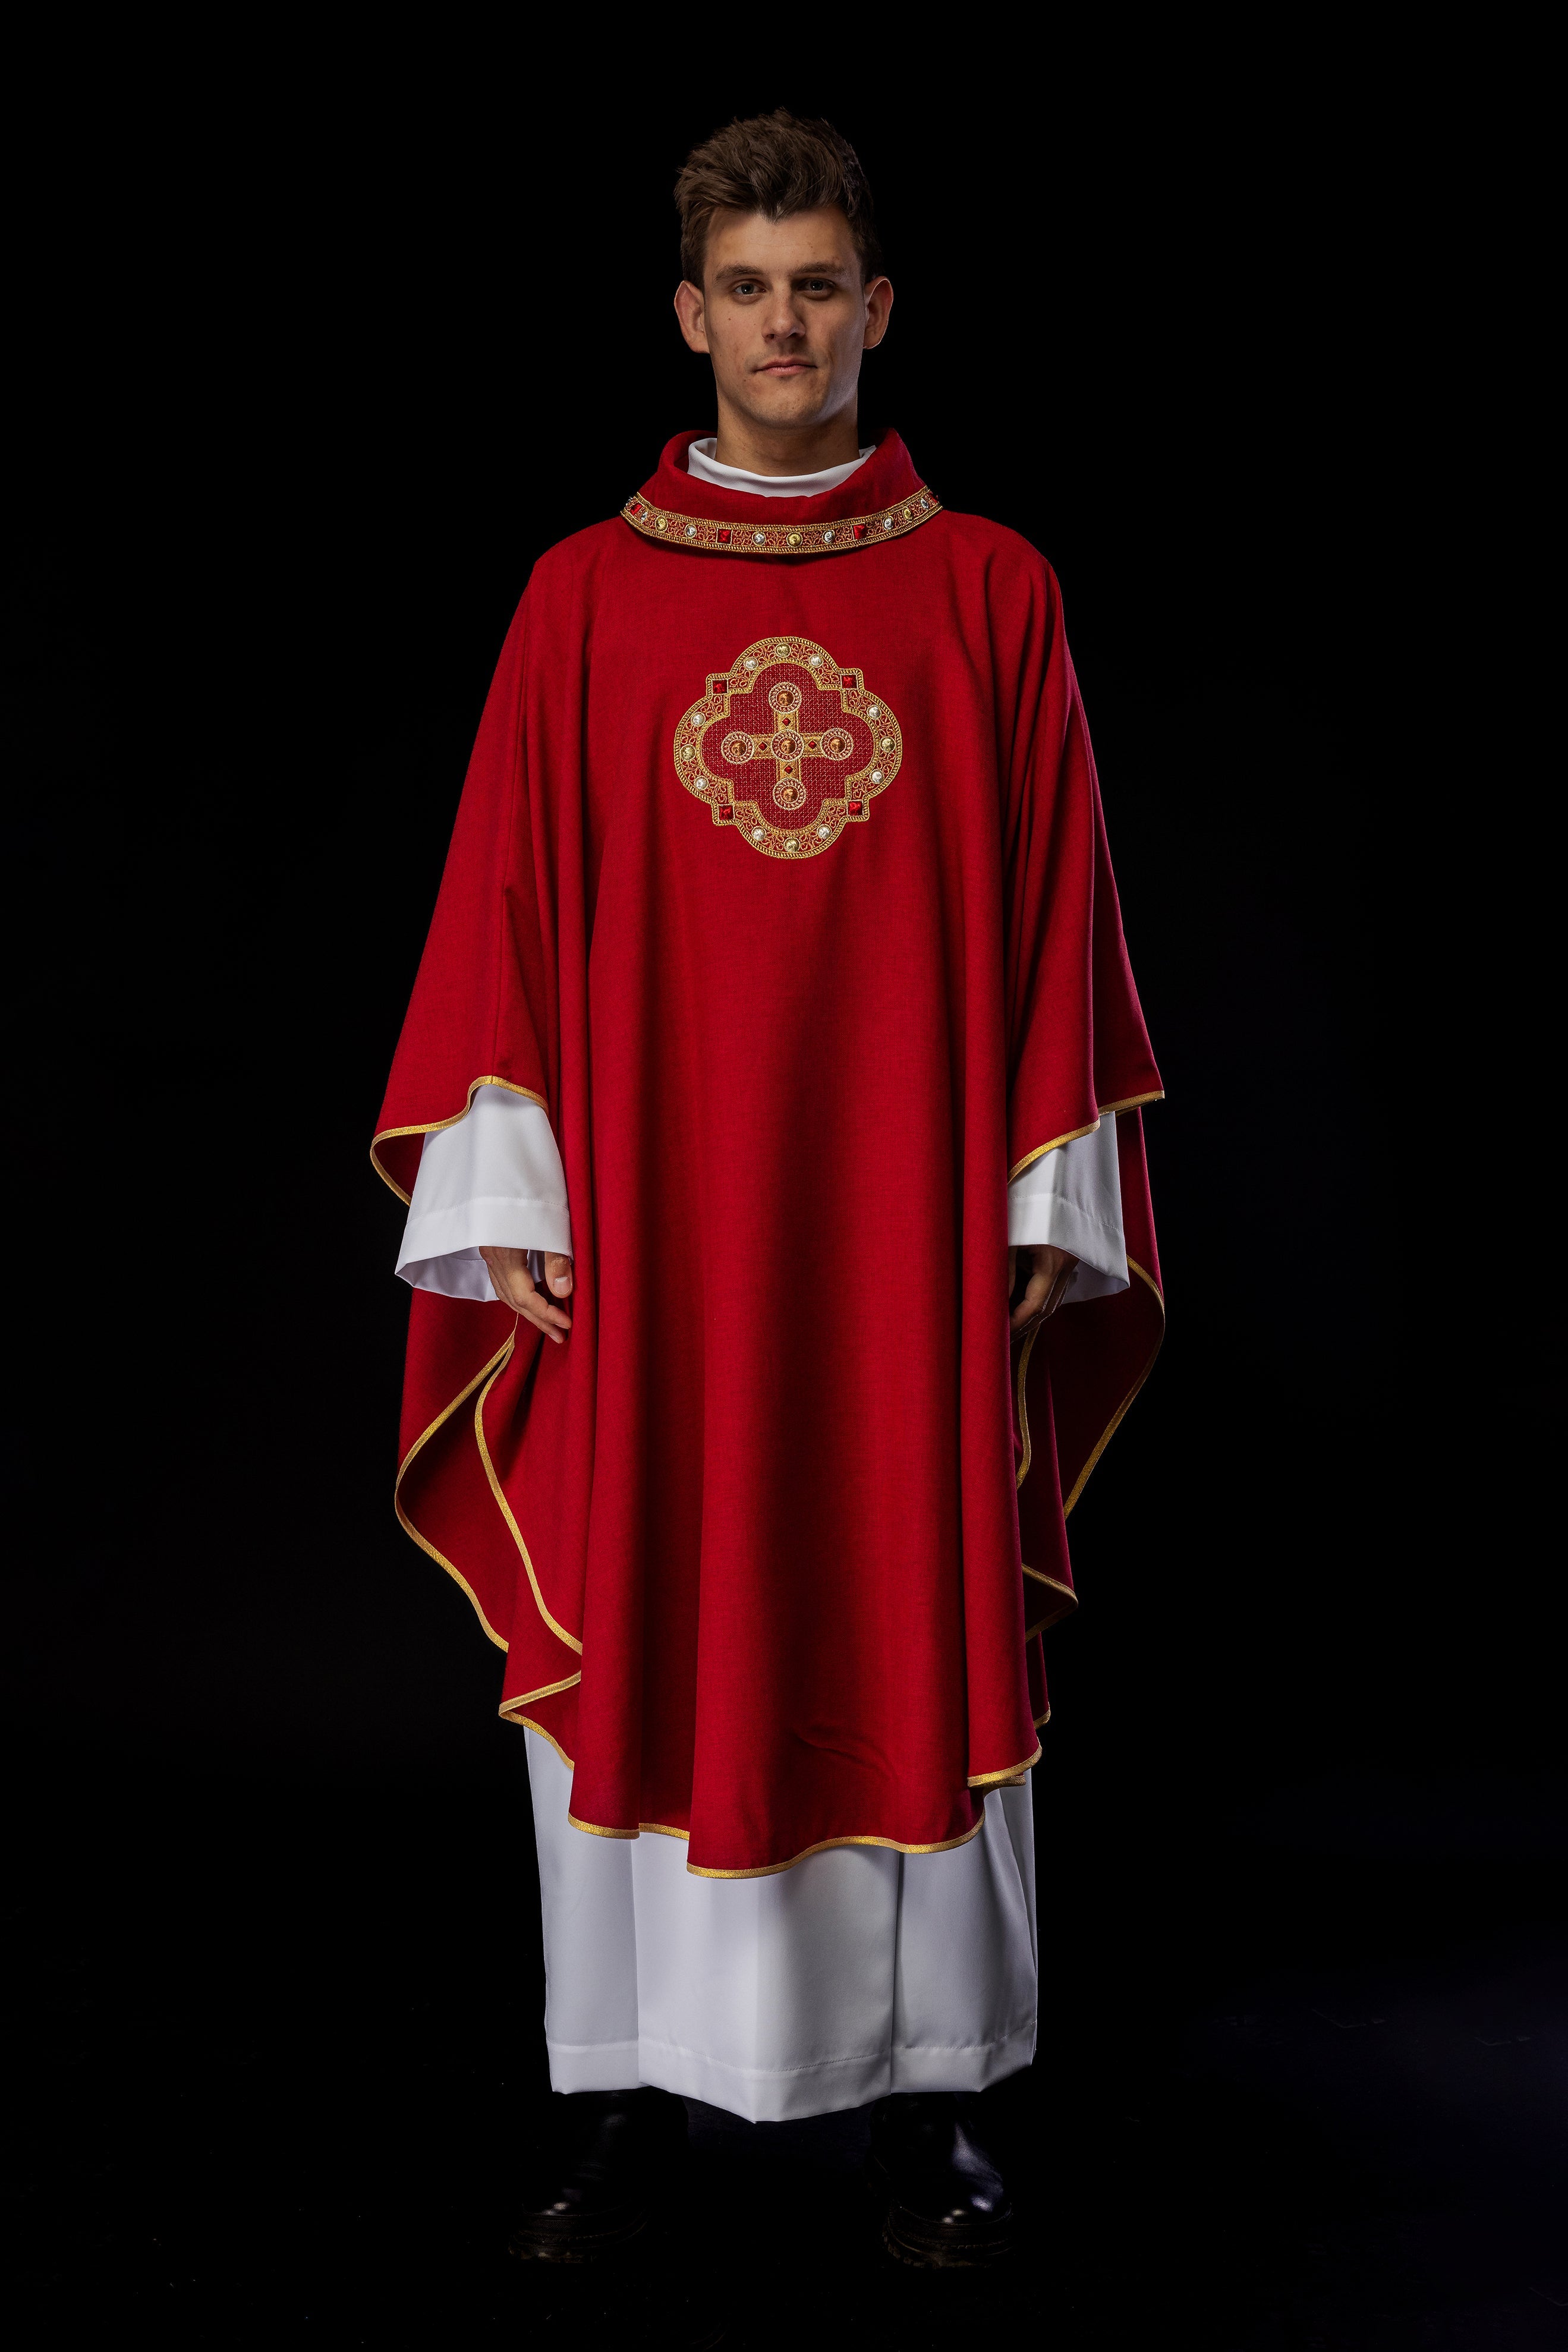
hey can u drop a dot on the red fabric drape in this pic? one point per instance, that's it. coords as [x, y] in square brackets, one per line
[754, 1539]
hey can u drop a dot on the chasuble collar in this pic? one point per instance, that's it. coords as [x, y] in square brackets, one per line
[883, 498]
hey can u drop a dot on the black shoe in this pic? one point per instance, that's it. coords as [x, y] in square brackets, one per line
[941, 2192]
[618, 2148]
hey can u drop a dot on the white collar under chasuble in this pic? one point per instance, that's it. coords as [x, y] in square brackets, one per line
[700, 461]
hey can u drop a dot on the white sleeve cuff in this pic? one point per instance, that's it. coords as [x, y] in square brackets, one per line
[492, 1178]
[1072, 1197]
[461, 1274]
[495, 1220]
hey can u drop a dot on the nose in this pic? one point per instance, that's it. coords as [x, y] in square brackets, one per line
[783, 323]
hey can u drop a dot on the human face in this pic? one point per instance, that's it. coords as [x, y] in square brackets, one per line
[784, 317]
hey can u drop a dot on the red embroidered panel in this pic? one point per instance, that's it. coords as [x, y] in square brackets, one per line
[788, 748]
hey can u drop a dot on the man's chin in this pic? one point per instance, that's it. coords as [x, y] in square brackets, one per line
[786, 402]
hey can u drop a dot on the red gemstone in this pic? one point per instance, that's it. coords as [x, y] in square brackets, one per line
[724, 539]
[725, 812]
[636, 510]
[859, 530]
[856, 807]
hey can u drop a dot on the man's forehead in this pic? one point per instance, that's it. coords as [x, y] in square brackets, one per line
[814, 240]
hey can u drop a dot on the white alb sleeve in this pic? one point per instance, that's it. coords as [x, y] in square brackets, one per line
[1072, 1196]
[492, 1177]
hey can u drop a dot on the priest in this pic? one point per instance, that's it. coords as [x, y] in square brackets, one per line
[768, 1111]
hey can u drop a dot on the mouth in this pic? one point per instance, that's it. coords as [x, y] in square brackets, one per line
[786, 367]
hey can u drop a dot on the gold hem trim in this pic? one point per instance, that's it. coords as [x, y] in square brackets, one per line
[1041, 1721]
[1081, 1481]
[659, 1829]
[495, 1365]
[1024, 1352]
[431, 1126]
[1074, 1135]
[1112, 1425]
[772, 1869]
[837, 535]
[1107, 1110]
[545, 1690]
[527, 1723]
[1063, 1608]
[1009, 1772]
[505, 1508]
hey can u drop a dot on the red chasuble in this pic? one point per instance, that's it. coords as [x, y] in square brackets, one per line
[780, 881]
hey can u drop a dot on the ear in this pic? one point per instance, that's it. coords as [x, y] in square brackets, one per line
[691, 310]
[878, 302]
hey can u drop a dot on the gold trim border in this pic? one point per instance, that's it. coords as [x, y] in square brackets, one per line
[1063, 1608]
[496, 1366]
[1024, 1352]
[484, 1379]
[1114, 1423]
[1074, 1135]
[1011, 1772]
[710, 535]
[528, 1724]
[826, 1845]
[545, 1690]
[505, 1508]
[1111, 1426]
[432, 1127]
[1012, 1778]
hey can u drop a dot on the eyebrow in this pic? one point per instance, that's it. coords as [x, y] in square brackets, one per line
[805, 269]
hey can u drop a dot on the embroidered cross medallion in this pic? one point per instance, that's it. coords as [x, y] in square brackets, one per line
[788, 747]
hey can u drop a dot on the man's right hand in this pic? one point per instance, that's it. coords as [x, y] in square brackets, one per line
[515, 1287]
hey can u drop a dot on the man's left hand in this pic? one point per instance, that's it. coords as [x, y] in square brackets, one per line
[1050, 1273]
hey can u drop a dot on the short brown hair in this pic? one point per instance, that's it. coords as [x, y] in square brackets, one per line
[775, 165]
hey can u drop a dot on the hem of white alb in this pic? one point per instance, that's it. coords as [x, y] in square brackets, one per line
[782, 2094]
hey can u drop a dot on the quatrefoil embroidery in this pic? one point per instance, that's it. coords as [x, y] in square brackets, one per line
[787, 747]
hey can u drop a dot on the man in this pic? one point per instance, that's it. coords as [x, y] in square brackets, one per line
[775, 998]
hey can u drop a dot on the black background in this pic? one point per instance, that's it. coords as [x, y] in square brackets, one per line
[313, 392]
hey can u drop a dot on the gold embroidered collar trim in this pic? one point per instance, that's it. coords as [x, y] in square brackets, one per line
[836, 537]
